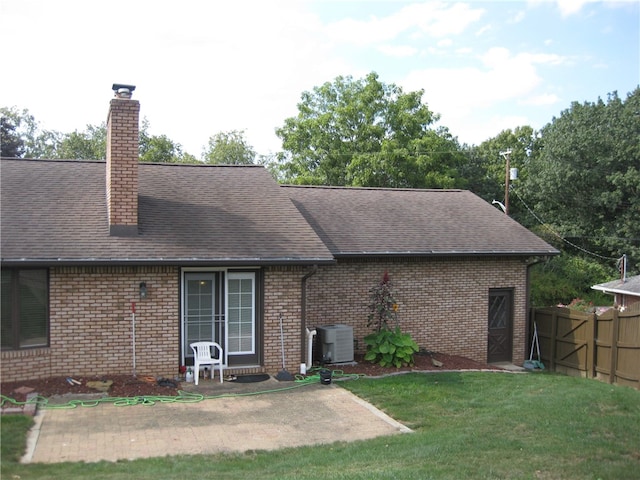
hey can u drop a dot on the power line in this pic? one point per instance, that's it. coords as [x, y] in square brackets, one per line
[544, 224]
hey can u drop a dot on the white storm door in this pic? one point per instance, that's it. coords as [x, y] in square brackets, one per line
[203, 318]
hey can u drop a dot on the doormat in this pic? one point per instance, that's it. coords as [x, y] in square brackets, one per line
[261, 377]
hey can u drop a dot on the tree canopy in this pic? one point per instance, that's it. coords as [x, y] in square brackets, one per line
[160, 148]
[36, 142]
[90, 144]
[229, 148]
[367, 133]
[11, 145]
[584, 180]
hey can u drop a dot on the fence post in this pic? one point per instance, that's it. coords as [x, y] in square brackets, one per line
[591, 347]
[614, 345]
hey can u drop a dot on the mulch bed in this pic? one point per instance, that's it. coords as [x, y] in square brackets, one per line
[122, 386]
[423, 361]
[129, 386]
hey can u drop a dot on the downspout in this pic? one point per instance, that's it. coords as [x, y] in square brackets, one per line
[303, 313]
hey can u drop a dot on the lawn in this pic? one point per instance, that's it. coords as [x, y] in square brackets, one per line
[466, 426]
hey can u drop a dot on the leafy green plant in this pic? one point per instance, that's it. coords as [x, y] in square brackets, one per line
[566, 277]
[581, 305]
[386, 346]
[390, 348]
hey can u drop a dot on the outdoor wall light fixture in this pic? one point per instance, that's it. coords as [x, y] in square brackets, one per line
[143, 290]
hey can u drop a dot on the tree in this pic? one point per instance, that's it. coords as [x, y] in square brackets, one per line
[11, 145]
[485, 169]
[160, 148]
[366, 133]
[584, 179]
[229, 148]
[88, 145]
[566, 277]
[37, 143]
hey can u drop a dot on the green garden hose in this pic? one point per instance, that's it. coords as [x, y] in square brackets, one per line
[150, 400]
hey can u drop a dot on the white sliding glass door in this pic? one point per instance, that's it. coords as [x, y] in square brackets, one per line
[221, 306]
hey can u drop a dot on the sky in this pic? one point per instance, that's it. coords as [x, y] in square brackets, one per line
[201, 67]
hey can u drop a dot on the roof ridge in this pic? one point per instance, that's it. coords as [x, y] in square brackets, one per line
[93, 160]
[55, 160]
[388, 189]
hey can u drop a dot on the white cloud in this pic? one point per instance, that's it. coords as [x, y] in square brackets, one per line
[203, 67]
[484, 29]
[476, 132]
[214, 66]
[570, 7]
[436, 19]
[539, 100]
[398, 51]
[501, 80]
[518, 17]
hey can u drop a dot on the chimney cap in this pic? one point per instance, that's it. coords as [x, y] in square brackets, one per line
[123, 91]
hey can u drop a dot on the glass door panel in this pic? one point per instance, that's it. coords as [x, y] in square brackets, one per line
[241, 330]
[203, 318]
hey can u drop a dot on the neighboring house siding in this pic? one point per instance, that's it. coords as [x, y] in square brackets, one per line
[443, 303]
[91, 325]
[626, 300]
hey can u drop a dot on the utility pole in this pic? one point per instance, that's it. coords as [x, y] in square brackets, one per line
[507, 155]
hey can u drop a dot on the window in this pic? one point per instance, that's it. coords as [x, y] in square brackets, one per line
[25, 308]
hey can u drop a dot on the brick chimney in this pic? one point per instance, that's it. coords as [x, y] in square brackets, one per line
[122, 162]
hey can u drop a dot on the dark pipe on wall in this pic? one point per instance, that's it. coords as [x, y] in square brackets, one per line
[303, 314]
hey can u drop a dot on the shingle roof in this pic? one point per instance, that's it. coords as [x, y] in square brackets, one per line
[54, 211]
[386, 222]
[631, 286]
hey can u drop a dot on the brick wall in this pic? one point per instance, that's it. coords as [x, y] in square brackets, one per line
[91, 325]
[122, 162]
[443, 303]
[282, 287]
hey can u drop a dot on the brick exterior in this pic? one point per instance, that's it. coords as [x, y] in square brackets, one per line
[122, 162]
[91, 325]
[443, 305]
[282, 286]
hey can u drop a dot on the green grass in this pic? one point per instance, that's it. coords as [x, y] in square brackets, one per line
[466, 426]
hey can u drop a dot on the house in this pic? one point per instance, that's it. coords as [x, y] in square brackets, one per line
[115, 266]
[626, 290]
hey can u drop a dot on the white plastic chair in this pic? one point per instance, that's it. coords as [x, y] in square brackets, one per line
[203, 355]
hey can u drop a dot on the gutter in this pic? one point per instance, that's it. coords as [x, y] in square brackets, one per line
[181, 262]
[303, 312]
[443, 253]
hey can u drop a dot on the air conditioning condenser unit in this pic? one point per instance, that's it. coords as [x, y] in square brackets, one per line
[336, 343]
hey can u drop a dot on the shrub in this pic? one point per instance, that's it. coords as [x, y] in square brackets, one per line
[390, 348]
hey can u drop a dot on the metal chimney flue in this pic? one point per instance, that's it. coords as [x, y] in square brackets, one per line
[123, 91]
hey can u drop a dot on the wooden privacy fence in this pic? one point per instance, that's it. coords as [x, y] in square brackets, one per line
[605, 347]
